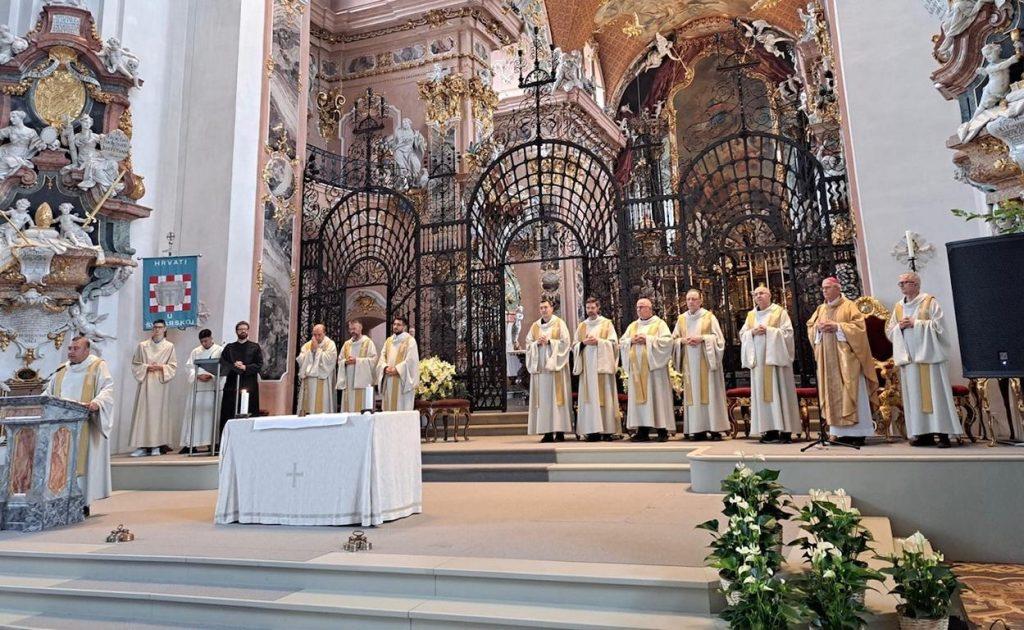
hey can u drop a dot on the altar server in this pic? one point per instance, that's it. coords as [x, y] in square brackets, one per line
[201, 417]
[357, 370]
[920, 347]
[767, 350]
[398, 370]
[847, 382]
[318, 362]
[645, 350]
[154, 366]
[86, 379]
[547, 360]
[596, 359]
[698, 356]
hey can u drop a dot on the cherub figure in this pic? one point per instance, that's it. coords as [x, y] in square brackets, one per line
[119, 59]
[19, 220]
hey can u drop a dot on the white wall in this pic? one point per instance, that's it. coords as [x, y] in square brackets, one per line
[898, 125]
[196, 142]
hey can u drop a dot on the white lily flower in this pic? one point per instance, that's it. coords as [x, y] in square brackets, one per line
[828, 574]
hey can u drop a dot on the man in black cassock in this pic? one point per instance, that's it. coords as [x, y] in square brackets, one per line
[241, 361]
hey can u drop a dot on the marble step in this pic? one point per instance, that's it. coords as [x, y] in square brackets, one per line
[579, 473]
[498, 417]
[480, 430]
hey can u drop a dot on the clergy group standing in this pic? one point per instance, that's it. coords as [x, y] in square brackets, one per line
[846, 370]
[318, 363]
[84, 378]
[645, 351]
[698, 356]
[920, 349]
[595, 353]
[357, 370]
[547, 360]
[154, 366]
[398, 370]
[198, 421]
[766, 348]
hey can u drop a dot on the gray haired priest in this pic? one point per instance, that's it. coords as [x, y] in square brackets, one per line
[357, 370]
[645, 351]
[596, 359]
[86, 379]
[699, 350]
[919, 348]
[318, 360]
[547, 360]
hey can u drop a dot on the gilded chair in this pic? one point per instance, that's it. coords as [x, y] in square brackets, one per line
[889, 414]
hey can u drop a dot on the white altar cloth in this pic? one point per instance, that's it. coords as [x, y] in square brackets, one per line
[366, 471]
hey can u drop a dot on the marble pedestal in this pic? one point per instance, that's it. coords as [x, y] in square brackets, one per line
[38, 488]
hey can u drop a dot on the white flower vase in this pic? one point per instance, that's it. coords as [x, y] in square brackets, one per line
[906, 623]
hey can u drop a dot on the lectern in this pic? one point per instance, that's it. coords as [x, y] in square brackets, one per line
[38, 488]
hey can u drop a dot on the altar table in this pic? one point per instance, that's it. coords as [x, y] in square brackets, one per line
[329, 469]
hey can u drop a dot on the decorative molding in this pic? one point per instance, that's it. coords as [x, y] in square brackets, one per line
[410, 64]
[433, 18]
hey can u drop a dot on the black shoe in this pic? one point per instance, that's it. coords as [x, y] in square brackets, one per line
[183, 451]
[607, 437]
[769, 437]
[785, 437]
[548, 437]
[593, 437]
[924, 440]
[714, 436]
[696, 437]
[560, 437]
[85, 511]
[663, 435]
[643, 434]
[944, 441]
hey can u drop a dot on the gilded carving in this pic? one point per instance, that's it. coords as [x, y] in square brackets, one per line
[433, 18]
[443, 98]
[259, 277]
[59, 97]
[124, 123]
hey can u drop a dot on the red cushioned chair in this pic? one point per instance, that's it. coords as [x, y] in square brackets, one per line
[739, 398]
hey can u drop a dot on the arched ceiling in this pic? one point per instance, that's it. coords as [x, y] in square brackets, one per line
[574, 22]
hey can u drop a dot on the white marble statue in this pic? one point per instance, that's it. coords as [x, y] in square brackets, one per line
[74, 230]
[438, 72]
[22, 145]
[87, 324]
[810, 21]
[955, 18]
[10, 44]
[409, 146]
[662, 49]
[998, 86]
[120, 60]
[486, 77]
[789, 90]
[19, 219]
[762, 32]
[97, 166]
[568, 71]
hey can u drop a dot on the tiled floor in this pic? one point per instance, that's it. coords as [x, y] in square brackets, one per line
[997, 593]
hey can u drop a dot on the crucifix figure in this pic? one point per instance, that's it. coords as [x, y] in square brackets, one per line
[294, 474]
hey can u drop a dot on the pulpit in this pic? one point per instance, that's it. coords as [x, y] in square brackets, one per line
[38, 489]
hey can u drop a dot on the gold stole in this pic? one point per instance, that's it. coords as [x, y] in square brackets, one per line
[318, 406]
[347, 398]
[393, 385]
[924, 370]
[768, 386]
[641, 369]
[559, 375]
[602, 333]
[705, 369]
[85, 396]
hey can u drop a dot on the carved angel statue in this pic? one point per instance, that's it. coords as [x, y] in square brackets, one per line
[86, 324]
[119, 59]
[10, 44]
[810, 21]
[98, 167]
[22, 145]
[568, 71]
[955, 19]
[789, 90]
[662, 49]
[998, 86]
[438, 72]
[18, 219]
[762, 32]
[409, 146]
[74, 230]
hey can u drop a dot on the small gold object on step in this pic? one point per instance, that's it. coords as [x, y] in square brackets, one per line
[358, 542]
[120, 535]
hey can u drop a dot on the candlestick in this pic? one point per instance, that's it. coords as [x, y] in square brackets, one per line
[243, 403]
[910, 245]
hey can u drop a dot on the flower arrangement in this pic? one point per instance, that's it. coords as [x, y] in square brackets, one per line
[624, 379]
[834, 543]
[924, 582]
[676, 378]
[437, 379]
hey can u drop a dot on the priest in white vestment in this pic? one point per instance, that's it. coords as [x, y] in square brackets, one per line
[198, 421]
[847, 383]
[547, 360]
[700, 345]
[357, 370]
[766, 348]
[154, 366]
[920, 348]
[398, 370]
[318, 363]
[645, 349]
[596, 359]
[85, 378]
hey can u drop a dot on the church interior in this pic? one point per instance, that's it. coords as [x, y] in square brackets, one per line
[511, 313]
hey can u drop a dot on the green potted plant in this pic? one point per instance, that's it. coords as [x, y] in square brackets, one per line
[764, 599]
[924, 583]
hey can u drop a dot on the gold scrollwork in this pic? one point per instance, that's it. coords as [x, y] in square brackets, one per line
[6, 337]
[59, 97]
[57, 339]
[329, 105]
[124, 123]
[259, 277]
[280, 177]
[443, 98]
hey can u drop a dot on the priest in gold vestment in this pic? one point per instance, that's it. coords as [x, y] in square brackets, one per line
[595, 354]
[919, 347]
[699, 347]
[847, 383]
[318, 361]
[399, 368]
[547, 359]
[86, 379]
[645, 350]
[357, 370]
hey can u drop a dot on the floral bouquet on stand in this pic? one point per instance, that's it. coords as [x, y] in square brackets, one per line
[924, 582]
[437, 379]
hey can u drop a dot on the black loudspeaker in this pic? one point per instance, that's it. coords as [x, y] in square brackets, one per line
[987, 277]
